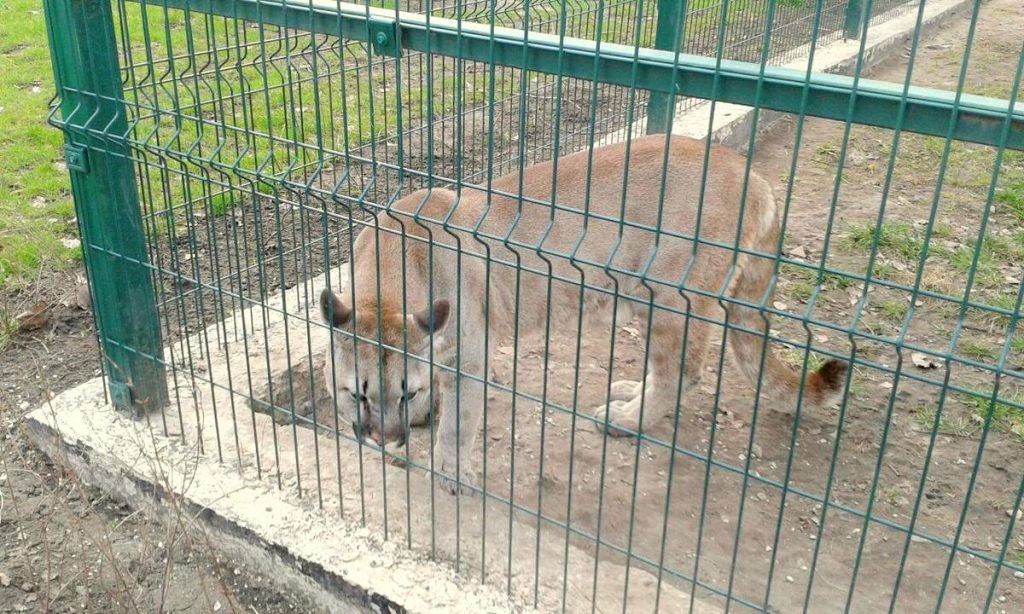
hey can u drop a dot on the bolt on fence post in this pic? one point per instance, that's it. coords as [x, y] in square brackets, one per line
[854, 19]
[84, 53]
[661, 106]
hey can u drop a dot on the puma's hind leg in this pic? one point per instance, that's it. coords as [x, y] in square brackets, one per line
[628, 389]
[634, 407]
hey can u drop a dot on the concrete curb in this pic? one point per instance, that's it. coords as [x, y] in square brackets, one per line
[334, 563]
[733, 123]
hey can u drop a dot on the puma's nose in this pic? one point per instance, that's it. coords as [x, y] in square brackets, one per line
[377, 438]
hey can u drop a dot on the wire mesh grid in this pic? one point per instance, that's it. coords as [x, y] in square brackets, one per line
[262, 151]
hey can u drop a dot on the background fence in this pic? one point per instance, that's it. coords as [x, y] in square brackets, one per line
[225, 152]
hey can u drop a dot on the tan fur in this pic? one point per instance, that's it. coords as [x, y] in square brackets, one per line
[606, 254]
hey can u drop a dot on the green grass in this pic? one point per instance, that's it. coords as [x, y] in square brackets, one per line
[1016, 556]
[35, 198]
[893, 238]
[802, 291]
[893, 311]
[1010, 188]
[942, 231]
[995, 252]
[808, 277]
[957, 426]
[977, 351]
[1005, 416]
[36, 209]
[8, 328]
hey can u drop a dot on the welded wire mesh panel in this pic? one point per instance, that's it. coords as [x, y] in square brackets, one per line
[413, 265]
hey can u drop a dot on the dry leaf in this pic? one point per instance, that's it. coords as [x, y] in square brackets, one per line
[34, 317]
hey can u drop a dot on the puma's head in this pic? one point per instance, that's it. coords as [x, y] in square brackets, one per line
[379, 388]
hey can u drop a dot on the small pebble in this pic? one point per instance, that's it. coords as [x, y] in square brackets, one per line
[790, 579]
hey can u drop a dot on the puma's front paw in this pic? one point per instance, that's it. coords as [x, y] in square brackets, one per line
[626, 390]
[618, 418]
[446, 468]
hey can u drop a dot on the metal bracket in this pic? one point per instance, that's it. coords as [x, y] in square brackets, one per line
[385, 37]
[76, 157]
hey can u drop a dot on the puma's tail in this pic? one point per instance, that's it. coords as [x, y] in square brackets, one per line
[751, 280]
[779, 381]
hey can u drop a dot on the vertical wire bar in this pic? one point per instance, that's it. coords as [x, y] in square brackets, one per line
[326, 238]
[403, 407]
[279, 174]
[548, 307]
[486, 254]
[573, 257]
[614, 282]
[676, 409]
[310, 300]
[244, 145]
[943, 164]
[897, 134]
[990, 410]
[793, 170]
[765, 51]
[378, 343]
[715, 88]
[1015, 91]
[170, 147]
[256, 195]
[651, 307]
[429, 79]
[155, 136]
[836, 186]
[194, 154]
[506, 242]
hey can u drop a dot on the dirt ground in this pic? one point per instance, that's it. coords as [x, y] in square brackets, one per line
[791, 550]
[65, 547]
[951, 470]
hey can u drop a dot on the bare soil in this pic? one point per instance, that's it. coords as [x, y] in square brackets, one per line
[64, 546]
[899, 454]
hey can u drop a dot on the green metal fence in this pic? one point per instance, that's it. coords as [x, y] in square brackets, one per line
[225, 155]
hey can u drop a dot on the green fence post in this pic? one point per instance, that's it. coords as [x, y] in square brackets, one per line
[661, 107]
[85, 64]
[854, 19]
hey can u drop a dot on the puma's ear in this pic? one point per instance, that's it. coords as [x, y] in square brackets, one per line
[433, 319]
[332, 310]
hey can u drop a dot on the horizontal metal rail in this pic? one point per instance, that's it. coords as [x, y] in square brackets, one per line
[978, 119]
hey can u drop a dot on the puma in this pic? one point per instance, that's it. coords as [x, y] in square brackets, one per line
[426, 271]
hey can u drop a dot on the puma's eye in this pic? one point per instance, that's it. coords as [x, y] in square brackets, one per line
[408, 396]
[358, 398]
